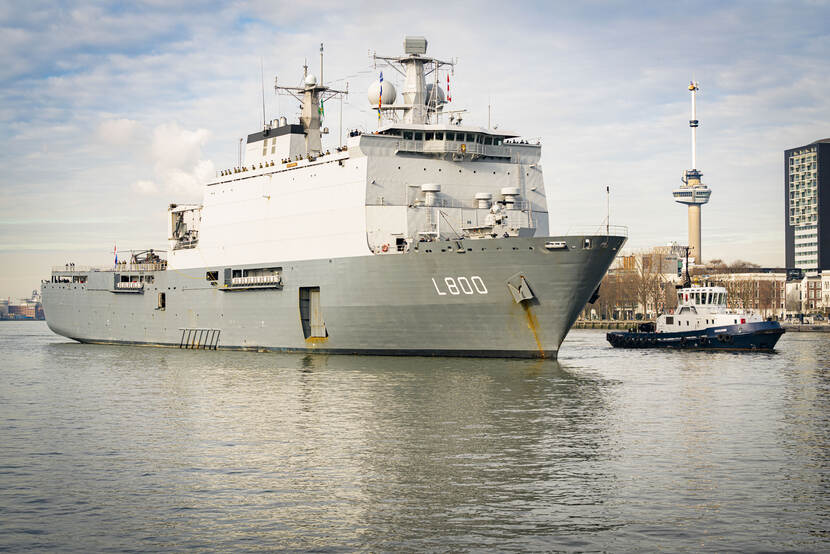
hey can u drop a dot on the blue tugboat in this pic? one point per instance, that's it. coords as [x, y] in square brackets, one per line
[702, 322]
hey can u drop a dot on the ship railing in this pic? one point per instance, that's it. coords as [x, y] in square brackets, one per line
[129, 285]
[70, 269]
[453, 147]
[155, 266]
[520, 205]
[598, 230]
[256, 280]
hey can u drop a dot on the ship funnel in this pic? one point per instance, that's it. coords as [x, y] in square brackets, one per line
[430, 194]
[510, 194]
[483, 199]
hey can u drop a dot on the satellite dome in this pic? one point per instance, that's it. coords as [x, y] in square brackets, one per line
[310, 80]
[428, 97]
[389, 93]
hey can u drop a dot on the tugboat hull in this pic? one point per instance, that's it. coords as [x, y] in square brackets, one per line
[761, 336]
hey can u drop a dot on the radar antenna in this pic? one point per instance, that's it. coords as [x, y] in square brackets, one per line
[422, 103]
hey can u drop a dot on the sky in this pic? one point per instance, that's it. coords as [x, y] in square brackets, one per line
[111, 111]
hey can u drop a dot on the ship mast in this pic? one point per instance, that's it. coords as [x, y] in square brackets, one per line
[312, 96]
[419, 101]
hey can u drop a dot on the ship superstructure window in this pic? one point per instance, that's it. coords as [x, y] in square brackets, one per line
[212, 276]
[162, 305]
[439, 135]
[407, 135]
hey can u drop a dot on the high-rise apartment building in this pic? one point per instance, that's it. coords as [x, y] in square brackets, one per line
[807, 205]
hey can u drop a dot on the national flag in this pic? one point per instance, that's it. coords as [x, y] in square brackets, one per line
[115, 251]
[321, 110]
[449, 96]
[380, 94]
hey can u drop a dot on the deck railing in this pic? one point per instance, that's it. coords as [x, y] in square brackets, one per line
[71, 269]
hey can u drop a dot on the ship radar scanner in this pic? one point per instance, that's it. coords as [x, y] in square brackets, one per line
[692, 192]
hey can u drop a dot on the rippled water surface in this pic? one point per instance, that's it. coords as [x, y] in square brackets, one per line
[107, 448]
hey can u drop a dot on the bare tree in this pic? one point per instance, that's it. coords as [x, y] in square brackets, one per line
[741, 264]
[768, 298]
[742, 293]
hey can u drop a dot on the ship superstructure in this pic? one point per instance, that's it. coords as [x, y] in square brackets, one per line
[424, 236]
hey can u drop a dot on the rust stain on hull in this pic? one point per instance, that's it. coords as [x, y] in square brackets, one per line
[533, 325]
[316, 341]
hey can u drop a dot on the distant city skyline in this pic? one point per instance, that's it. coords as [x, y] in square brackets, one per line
[111, 111]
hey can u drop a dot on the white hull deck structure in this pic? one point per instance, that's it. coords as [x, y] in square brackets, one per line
[423, 237]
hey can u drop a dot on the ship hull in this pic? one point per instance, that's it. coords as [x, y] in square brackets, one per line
[447, 298]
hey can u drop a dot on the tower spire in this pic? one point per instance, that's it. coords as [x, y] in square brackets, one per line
[692, 192]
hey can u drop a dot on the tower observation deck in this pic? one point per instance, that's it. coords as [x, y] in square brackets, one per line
[692, 192]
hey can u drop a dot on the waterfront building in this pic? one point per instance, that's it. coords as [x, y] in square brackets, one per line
[807, 206]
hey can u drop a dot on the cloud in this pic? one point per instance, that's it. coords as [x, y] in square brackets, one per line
[117, 131]
[602, 83]
[178, 165]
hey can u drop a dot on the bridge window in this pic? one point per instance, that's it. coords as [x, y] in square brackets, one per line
[430, 135]
[419, 136]
[407, 135]
[488, 140]
[439, 135]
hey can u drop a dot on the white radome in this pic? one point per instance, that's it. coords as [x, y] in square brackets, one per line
[442, 99]
[389, 93]
[310, 80]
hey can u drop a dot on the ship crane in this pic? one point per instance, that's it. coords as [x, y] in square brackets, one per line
[692, 192]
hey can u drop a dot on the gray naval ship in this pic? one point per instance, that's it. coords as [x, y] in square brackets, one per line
[424, 236]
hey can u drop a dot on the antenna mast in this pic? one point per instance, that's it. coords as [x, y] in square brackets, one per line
[262, 78]
[311, 94]
[693, 122]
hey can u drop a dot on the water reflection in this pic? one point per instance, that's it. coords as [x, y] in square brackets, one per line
[117, 447]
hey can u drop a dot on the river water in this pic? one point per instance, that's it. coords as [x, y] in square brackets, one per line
[106, 448]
